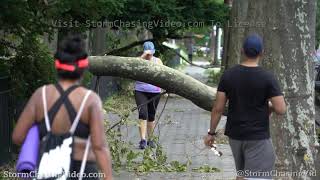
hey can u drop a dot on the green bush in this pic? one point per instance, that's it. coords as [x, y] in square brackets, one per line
[3, 68]
[200, 53]
[87, 77]
[214, 76]
[30, 68]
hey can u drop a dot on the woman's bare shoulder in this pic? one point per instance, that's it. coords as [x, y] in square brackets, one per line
[38, 92]
[94, 98]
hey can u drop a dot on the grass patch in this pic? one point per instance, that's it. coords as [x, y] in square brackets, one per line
[205, 169]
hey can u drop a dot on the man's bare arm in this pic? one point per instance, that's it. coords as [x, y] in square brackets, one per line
[278, 105]
[217, 110]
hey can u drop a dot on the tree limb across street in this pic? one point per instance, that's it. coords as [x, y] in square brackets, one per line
[165, 77]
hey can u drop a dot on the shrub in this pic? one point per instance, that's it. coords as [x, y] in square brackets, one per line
[30, 68]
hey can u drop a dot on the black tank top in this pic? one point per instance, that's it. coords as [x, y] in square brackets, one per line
[82, 130]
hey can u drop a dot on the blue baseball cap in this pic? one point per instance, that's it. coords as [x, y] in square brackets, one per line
[148, 47]
[253, 46]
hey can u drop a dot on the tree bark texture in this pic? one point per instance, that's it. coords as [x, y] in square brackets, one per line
[288, 30]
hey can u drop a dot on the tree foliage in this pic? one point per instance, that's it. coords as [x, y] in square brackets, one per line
[169, 18]
[23, 24]
[30, 68]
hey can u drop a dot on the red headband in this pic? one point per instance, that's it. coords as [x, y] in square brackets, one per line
[82, 63]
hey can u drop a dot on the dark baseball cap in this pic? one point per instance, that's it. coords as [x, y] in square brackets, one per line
[253, 46]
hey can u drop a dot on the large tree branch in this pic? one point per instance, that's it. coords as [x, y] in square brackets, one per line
[167, 78]
[178, 37]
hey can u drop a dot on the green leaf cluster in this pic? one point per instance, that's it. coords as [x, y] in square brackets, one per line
[206, 169]
[24, 23]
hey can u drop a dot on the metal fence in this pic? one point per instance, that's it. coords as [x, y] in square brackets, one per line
[6, 119]
[106, 86]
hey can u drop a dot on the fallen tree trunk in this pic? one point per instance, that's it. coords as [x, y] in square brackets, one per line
[167, 78]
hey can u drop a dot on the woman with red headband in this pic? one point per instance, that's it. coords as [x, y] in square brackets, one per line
[66, 110]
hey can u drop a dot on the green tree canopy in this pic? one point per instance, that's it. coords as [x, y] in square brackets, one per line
[23, 24]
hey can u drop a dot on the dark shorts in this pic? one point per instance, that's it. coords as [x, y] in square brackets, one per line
[253, 158]
[90, 170]
[147, 111]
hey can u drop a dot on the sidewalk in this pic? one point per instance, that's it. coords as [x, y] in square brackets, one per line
[182, 127]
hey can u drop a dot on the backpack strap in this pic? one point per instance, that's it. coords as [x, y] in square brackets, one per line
[63, 99]
[84, 159]
[76, 120]
[72, 130]
[49, 116]
[45, 108]
[70, 108]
